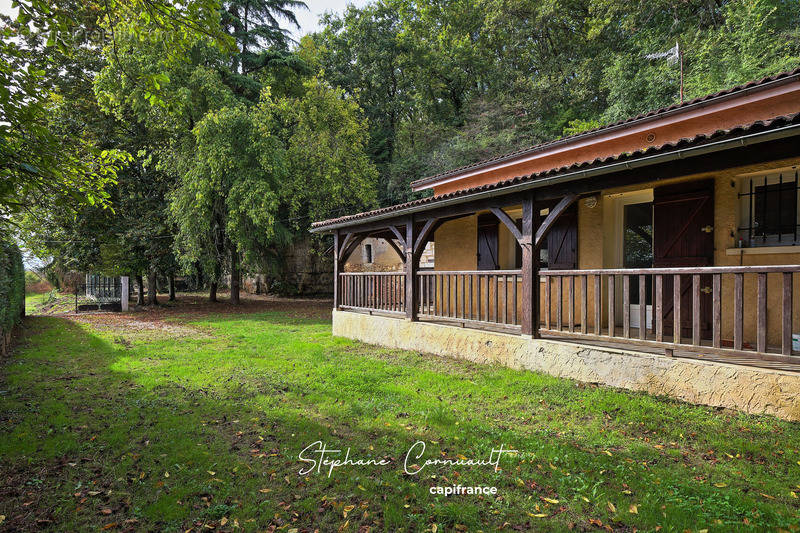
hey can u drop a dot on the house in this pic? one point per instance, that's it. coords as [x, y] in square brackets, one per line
[659, 253]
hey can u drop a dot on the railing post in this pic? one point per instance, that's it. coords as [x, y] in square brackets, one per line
[530, 270]
[411, 271]
[336, 301]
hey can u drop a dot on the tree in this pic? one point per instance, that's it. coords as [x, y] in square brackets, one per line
[37, 164]
[261, 172]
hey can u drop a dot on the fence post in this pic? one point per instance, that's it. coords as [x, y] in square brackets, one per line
[411, 271]
[530, 270]
[124, 292]
[336, 270]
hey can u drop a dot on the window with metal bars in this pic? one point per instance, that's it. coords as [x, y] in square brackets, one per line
[769, 210]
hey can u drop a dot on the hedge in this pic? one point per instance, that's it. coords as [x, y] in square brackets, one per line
[12, 291]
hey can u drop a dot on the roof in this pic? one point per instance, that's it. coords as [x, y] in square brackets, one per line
[578, 170]
[650, 115]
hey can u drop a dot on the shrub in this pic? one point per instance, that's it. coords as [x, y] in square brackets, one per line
[12, 291]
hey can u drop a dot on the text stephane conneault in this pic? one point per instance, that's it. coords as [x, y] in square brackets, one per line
[321, 459]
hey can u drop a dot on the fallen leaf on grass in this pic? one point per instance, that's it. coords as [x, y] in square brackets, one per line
[347, 510]
[611, 507]
[720, 485]
[633, 509]
[538, 515]
[105, 511]
[550, 500]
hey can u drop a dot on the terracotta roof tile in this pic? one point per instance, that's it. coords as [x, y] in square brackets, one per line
[761, 125]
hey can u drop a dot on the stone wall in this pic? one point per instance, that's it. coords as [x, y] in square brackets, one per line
[305, 272]
[750, 389]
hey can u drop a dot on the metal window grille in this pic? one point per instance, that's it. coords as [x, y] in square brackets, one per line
[770, 204]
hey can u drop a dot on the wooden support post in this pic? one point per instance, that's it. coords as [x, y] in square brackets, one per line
[336, 302]
[411, 271]
[530, 270]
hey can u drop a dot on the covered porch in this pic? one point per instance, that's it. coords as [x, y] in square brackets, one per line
[662, 253]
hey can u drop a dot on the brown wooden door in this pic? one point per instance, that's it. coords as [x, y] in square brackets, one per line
[683, 236]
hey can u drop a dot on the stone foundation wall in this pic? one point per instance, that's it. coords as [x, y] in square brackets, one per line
[750, 389]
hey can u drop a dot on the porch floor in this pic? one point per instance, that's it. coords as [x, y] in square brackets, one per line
[736, 359]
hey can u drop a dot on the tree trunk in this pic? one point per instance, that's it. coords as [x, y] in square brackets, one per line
[151, 288]
[172, 287]
[140, 290]
[212, 291]
[234, 277]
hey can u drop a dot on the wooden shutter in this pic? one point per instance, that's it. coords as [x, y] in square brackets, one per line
[562, 241]
[487, 242]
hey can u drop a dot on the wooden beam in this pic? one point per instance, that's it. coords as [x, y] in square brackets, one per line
[397, 249]
[399, 235]
[552, 217]
[503, 217]
[343, 243]
[336, 266]
[351, 248]
[530, 270]
[411, 272]
[425, 233]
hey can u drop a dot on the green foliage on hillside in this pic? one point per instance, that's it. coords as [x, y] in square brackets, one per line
[447, 83]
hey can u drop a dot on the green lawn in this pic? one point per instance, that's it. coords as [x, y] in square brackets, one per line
[192, 417]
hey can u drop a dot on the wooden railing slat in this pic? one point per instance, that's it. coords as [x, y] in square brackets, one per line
[676, 309]
[559, 302]
[584, 306]
[658, 308]
[598, 306]
[514, 304]
[486, 299]
[786, 322]
[761, 325]
[571, 303]
[612, 305]
[696, 309]
[716, 295]
[496, 297]
[642, 307]
[626, 306]
[738, 314]
[547, 302]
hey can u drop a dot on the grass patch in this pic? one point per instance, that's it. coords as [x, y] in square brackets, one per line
[104, 426]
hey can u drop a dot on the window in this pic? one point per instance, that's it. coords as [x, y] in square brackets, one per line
[368, 253]
[768, 206]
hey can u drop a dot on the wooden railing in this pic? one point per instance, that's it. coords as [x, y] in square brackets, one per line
[480, 296]
[373, 291]
[708, 309]
[726, 310]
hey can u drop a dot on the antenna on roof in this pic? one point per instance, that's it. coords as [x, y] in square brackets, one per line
[673, 55]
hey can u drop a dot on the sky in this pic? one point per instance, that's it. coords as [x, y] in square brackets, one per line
[308, 18]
